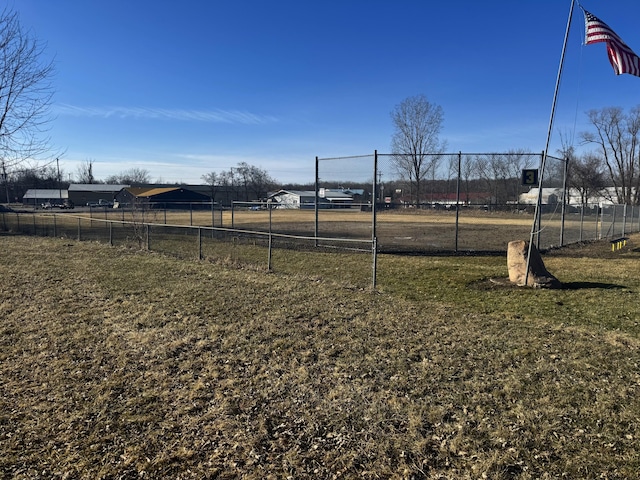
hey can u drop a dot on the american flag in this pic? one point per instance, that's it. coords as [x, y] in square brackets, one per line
[621, 56]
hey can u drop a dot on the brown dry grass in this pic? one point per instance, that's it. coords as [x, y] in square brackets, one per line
[117, 364]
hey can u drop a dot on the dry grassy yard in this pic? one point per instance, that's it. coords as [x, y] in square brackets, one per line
[119, 364]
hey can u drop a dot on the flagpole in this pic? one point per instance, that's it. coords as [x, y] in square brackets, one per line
[543, 160]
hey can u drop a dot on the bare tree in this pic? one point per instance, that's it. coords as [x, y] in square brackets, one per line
[617, 136]
[257, 181]
[467, 169]
[25, 92]
[133, 176]
[516, 161]
[85, 172]
[417, 125]
[212, 180]
[586, 175]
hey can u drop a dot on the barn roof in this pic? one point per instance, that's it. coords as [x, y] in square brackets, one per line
[45, 193]
[150, 191]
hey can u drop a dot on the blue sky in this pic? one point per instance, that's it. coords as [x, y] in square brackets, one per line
[186, 88]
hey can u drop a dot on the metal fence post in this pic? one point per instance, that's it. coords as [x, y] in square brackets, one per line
[613, 222]
[79, 234]
[55, 230]
[374, 253]
[458, 199]
[233, 224]
[199, 243]
[270, 237]
[315, 203]
[374, 190]
[111, 234]
[582, 218]
[148, 234]
[564, 200]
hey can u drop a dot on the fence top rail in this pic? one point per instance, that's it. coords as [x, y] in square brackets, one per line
[347, 157]
[442, 154]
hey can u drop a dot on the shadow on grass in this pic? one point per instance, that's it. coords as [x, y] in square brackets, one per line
[587, 285]
[502, 283]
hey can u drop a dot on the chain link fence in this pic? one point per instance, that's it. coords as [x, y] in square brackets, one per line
[463, 202]
[253, 246]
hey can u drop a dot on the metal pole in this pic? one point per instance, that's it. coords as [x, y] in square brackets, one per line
[613, 222]
[270, 236]
[6, 181]
[584, 205]
[374, 275]
[233, 221]
[199, 243]
[549, 131]
[458, 198]
[59, 181]
[317, 199]
[373, 196]
[564, 200]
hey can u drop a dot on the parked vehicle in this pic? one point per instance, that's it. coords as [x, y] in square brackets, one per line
[66, 204]
[100, 203]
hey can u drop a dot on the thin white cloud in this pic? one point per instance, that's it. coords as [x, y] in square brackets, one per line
[215, 116]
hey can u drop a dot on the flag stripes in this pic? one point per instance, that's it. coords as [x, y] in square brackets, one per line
[622, 58]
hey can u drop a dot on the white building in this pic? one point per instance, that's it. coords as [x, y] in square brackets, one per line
[306, 199]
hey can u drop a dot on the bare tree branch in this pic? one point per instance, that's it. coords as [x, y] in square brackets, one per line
[25, 93]
[417, 125]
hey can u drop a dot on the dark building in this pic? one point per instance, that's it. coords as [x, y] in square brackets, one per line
[163, 197]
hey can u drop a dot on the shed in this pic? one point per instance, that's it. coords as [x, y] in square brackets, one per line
[38, 196]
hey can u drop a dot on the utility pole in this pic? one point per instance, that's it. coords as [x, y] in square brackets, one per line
[59, 181]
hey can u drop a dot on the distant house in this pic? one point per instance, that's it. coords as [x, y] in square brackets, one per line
[38, 196]
[84, 193]
[306, 199]
[163, 197]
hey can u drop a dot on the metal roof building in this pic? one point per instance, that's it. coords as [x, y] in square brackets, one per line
[83, 193]
[37, 196]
